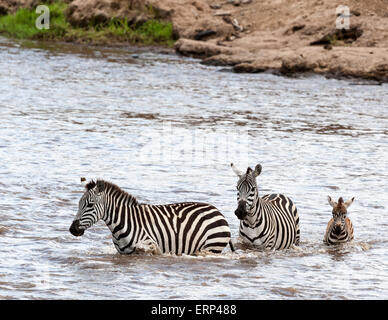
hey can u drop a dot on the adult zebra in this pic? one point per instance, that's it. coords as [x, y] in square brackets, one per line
[270, 222]
[180, 228]
[339, 228]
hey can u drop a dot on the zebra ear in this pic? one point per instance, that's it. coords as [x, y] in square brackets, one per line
[100, 186]
[348, 203]
[236, 171]
[90, 185]
[331, 202]
[257, 170]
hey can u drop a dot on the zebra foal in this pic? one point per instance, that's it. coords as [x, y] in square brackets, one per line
[270, 222]
[340, 228]
[180, 228]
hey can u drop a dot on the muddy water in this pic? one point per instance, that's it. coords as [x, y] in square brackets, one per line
[165, 129]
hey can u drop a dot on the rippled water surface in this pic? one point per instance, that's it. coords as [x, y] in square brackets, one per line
[165, 129]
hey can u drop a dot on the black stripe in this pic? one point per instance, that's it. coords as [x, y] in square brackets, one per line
[190, 221]
[168, 226]
[120, 226]
[212, 236]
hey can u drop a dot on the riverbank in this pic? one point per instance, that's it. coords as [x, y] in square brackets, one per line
[292, 37]
[286, 37]
[19, 22]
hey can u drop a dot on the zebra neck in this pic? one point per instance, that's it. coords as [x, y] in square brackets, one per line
[257, 210]
[115, 207]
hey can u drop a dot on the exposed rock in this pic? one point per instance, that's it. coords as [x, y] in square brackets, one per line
[188, 20]
[328, 46]
[10, 6]
[222, 13]
[349, 35]
[82, 13]
[355, 13]
[237, 26]
[216, 6]
[228, 60]
[3, 8]
[248, 68]
[204, 34]
[201, 6]
[201, 49]
[188, 17]
[297, 27]
[295, 64]
[346, 62]
[230, 38]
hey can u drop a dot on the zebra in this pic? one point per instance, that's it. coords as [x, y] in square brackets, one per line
[340, 228]
[270, 222]
[179, 228]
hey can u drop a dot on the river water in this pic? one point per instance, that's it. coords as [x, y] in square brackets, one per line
[165, 128]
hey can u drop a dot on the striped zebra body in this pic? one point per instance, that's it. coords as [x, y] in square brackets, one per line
[340, 228]
[343, 235]
[179, 228]
[275, 224]
[270, 222]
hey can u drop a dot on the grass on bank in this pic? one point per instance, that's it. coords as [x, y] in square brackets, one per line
[21, 25]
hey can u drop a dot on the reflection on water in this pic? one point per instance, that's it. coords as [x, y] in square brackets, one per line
[69, 111]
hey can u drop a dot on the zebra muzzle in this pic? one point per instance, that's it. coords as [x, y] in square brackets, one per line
[241, 210]
[75, 229]
[337, 229]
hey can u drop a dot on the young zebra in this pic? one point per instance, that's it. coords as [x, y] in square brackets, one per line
[173, 228]
[340, 228]
[270, 222]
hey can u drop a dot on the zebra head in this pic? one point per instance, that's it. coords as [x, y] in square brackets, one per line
[339, 213]
[90, 208]
[246, 191]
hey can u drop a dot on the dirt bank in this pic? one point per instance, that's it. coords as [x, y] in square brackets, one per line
[279, 36]
[282, 36]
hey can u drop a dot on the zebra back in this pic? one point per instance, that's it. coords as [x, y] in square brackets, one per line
[179, 228]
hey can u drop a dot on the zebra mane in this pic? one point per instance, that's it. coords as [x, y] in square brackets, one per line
[90, 185]
[117, 191]
[247, 178]
[111, 188]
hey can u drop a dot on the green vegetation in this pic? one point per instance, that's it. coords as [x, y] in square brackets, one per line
[149, 33]
[22, 25]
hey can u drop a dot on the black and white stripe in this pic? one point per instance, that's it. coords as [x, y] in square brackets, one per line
[179, 228]
[270, 222]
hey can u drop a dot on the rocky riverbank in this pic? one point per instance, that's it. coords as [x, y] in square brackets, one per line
[281, 36]
[292, 37]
